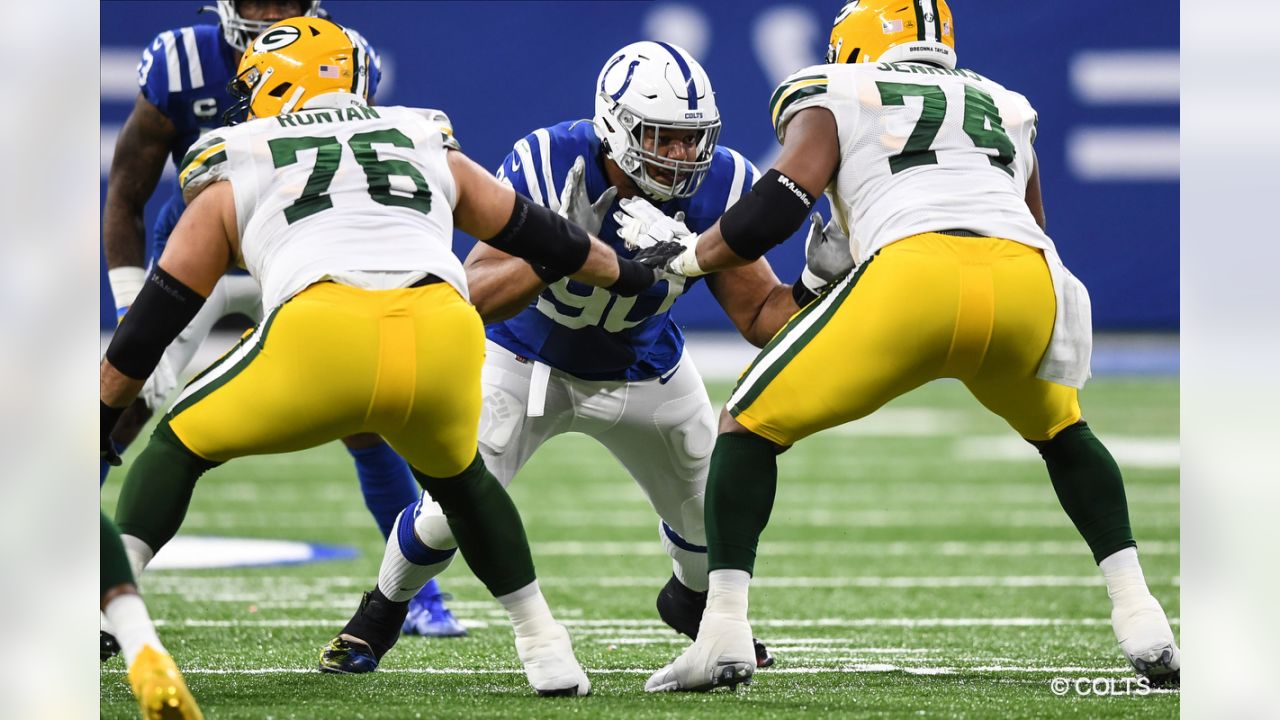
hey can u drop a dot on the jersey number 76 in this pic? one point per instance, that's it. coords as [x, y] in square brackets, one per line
[315, 198]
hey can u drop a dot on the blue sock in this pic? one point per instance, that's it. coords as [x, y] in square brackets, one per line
[386, 483]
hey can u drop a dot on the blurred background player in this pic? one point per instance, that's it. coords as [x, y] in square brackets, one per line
[153, 676]
[183, 77]
[564, 356]
[351, 245]
[932, 171]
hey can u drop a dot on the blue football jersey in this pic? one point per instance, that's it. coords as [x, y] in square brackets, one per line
[185, 73]
[587, 331]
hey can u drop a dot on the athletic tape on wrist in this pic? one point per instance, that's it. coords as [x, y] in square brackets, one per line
[126, 282]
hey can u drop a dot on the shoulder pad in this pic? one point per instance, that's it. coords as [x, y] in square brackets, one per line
[810, 82]
[446, 125]
[204, 164]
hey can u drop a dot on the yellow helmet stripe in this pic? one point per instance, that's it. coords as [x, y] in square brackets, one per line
[214, 155]
[789, 93]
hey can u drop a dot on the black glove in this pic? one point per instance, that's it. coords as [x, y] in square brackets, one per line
[659, 254]
[106, 425]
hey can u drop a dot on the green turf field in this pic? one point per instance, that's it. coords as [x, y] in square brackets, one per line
[917, 565]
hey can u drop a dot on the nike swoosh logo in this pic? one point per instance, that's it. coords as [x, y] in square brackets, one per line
[515, 164]
[662, 379]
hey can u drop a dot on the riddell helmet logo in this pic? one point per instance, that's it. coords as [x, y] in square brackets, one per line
[275, 39]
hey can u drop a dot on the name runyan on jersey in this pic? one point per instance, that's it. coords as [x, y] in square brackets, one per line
[590, 332]
[922, 149]
[355, 194]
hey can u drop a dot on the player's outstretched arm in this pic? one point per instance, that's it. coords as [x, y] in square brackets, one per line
[200, 250]
[777, 204]
[140, 154]
[755, 300]
[501, 285]
[498, 216]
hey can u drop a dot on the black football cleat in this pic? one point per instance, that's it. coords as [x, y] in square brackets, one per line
[681, 609]
[367, 637]
[109, 647]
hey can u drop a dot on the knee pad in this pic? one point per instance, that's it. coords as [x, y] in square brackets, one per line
[432, 527]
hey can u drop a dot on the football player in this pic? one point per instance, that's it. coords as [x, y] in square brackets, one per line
[183, 77]
[153, 676]
[344, 214]
[563, 356]
[931, 170]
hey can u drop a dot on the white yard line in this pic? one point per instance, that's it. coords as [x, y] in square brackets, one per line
[629, 626]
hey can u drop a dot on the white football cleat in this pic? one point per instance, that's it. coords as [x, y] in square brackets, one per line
[1147, 640]
[722, 656]
[550, 665]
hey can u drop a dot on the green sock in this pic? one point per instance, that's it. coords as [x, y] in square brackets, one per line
[113, 563]
[1088, 483]
[740, 488]
[486, 525]
[157, 490]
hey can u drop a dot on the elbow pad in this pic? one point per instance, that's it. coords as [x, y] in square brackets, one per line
[764, 217]
[162, 309]
[540, 236]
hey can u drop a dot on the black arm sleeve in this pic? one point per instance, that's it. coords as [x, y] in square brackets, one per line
[764, 217]
[540, 236]
[162, 309]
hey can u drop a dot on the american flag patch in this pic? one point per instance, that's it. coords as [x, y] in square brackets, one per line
[891, 26]
[330, 71]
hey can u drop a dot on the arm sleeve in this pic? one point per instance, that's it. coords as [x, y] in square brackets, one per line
[804, 89]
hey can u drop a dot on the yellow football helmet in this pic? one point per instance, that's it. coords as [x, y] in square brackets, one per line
[292, 62]
[893, 31]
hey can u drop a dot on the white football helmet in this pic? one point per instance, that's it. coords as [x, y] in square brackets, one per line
[239, 31]
[647, 88]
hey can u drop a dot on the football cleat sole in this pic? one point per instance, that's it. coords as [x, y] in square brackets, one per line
[1159, 672]
[563, 692]
[731, 675]
[347, 657]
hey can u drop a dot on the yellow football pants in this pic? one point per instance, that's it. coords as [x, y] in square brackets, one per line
[926, 307]
[336, 360]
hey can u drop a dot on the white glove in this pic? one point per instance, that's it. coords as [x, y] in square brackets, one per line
[641, 225]
[827, 256]
[576, 207]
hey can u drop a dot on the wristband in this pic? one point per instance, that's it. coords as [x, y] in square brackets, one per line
[126, 282]
[686, 263]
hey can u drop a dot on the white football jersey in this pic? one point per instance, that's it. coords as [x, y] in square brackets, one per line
[922, 149]
[339, 193]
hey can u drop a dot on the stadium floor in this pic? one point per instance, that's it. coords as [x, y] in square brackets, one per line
[917, 565]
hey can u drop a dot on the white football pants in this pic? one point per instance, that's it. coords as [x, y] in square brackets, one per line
[661, 432]
[234, 294]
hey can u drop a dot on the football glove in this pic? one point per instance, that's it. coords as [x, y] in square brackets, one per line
[827, 258]
[641, 225]
[576, 207]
